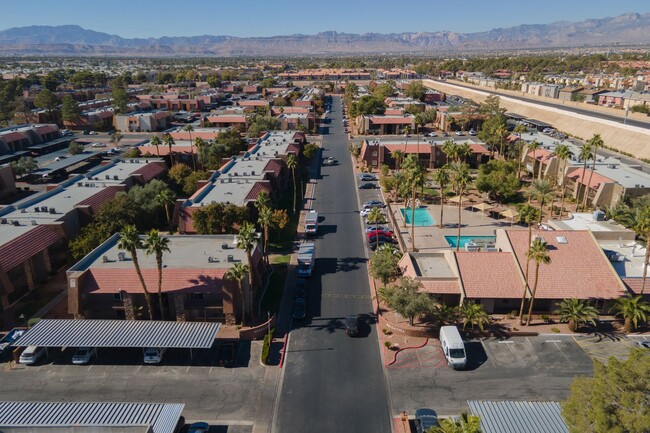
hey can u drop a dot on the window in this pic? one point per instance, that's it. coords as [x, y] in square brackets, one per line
[196, 296]
[599, 304]
[118, 296]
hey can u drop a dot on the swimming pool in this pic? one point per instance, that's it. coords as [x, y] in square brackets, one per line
[422, 217]
[451, 240]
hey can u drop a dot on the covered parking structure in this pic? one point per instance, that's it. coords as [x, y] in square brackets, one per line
[537, 124]
[120, 333]
[22, 416]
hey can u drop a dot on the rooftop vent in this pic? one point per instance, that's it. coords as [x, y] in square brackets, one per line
[43, 208]
[121, 256]
[108, 176]
[212, 260]
[16, 222]
[104, 259]
[3, 221]
[34, 222]
[52, 210]
[37, 209]
[115, 177]
[224, 246]
[561, 239]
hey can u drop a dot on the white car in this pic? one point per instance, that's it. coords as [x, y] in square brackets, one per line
[472, 132]
[153, 355]
[644, 343]
[459, 133]
[365, 212]
[98, 145]
[84, 355]
[432, 134]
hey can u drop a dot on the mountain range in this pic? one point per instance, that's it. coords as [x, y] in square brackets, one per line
[73, 40]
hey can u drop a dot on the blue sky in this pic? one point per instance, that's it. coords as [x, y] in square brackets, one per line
[145, 18]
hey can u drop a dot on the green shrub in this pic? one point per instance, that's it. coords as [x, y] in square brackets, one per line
[557, 331]
[388, 344]
[33, 321]
[266, 346]
[384, 170]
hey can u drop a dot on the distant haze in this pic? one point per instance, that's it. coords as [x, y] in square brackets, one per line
[627, 29]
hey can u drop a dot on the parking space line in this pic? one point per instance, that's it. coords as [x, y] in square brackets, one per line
[487, 351]
[561, 351]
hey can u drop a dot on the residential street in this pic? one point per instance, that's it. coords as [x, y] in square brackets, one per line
[333, 382]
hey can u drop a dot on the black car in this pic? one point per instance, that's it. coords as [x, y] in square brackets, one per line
[367, 186]
[425, 419]
[382, 239]
[301, 289]
[352, 325]
[299, 308]
[373, 245]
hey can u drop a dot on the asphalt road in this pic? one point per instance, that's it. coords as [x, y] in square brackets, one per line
[586, 112]
[334, 383]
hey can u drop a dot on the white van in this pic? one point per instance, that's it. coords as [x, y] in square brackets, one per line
[153, 355]
[453, 347]
[32, 355]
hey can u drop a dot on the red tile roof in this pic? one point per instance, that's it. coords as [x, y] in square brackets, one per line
[479, 148]
[12, 136]
[440, 287]
[113, 280]
[578, 269]
[391, 120]
[27, 245]
[634, 284]
[46, 129]
[541, 154]
[254, 103]
[274, 166]
[490, 274]
[226, 119]
[393, 111]
[96, 201]
[410, 148]
[257, 189]
[581, 176]
[150, 171]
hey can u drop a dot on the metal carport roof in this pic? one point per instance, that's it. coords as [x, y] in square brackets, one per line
[161, 417]
[120, 333]
[538, 123]
[519, 416]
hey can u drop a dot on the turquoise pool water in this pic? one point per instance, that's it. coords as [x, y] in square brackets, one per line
[422, 217]
[451, 240]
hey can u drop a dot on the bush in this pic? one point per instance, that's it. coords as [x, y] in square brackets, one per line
[266, 346]
[557, 331]
[33, 321]
[384, 170]
[388, 344]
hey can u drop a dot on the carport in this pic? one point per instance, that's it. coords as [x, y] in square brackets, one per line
[120, 333]
[538, 124]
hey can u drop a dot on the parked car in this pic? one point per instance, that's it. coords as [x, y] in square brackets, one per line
[367, 177]
[300, 290]
[299, 308]
[472, 132]
[372, 228]
[459, 133]
[153, 355]
[374, 203]
[32, 355]
[380, 232]
[382, 239]
[199, 427]
[84, 355]
[644, 343]
[366, 211]
[368, 186]
[373, 245]
[445, 134]
[93, 133]
[425, 419]
[547, 130]
[352, 325]
[432, 134]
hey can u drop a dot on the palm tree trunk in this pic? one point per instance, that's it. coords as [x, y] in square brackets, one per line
[243, 302]
[377, 236]
[255, 278]
[627, 327]
[584, 173]
[460, 201]
[563, 195]
[645, 262]
[295, 192]
[192, 153]
[442, 207]
[160, 301]
[593, 168]
[534, 162]
[169, 220]
[147, 295]
[526, 285]
[532, 297]
[406, 199]
[413, 218]
[266, 242]
[157, 151]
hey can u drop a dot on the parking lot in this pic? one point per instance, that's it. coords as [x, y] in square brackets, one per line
[533, 368]
[210, 392]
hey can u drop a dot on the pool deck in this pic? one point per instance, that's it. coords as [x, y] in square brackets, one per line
[433, 238]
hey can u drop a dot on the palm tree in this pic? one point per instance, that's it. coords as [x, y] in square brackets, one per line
[246, 240]
[632, 309]
[642, 227]
[416, 176]
[464, 152]
[398, 155]
[584, 155]
[375, 217]
[189, 128]
[460, 179]
[465, 424]
[441, 177]
[200, 144]
[562, 153]
[418, 122]
[263, 200]
[166, 198]
[407, 130]
[238, 272]
[474, 315]
[131, 242]
[292, 163]
[539, 253]
[157, 245]
[595, 142]
[155, 141]
[450, 149]
[169, 141]
[265, 219]
[500, 132]
[576, 312]
[541, 190]
[534, 145]
[528, 214]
